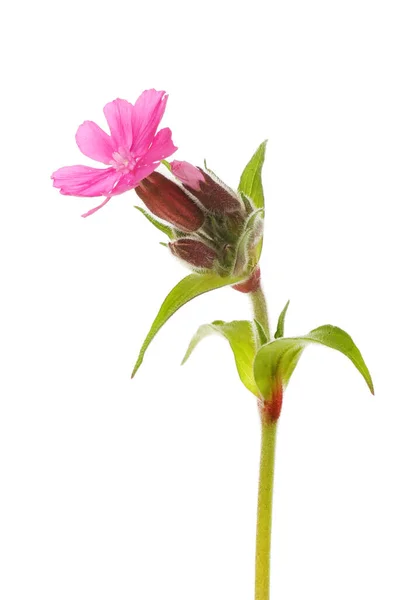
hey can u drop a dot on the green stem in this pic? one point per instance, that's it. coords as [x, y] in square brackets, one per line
[266, 481]
[264, 512]
[260, 310]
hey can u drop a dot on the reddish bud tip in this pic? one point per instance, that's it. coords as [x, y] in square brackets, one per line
[169, 202]
[250, 285]
[187, 174]
[194, 252]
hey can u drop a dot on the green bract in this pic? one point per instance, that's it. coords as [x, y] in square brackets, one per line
[166, 164]
[250, 185]
[250, 182]
[280, 328]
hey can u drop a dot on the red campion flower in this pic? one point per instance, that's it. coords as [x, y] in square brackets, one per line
[131, 152]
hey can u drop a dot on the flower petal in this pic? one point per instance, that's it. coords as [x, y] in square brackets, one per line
[94, 142]
[119, 118]
[132, 179]
[96, 208]
[85, 181]
[146, 116]
[161, 147]
[187, 173]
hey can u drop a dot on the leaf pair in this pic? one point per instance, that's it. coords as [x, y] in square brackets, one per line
[261, 368]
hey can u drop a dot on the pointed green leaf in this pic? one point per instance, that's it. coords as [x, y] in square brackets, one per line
[240, 335]
[279, 358]
[280, 329]
[250, 181]
[188, 288]
[164, 228]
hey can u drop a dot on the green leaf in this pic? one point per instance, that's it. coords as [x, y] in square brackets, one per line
[261, 333]
[280, 329]
[188, 288]
[279, 358]
[250, 181]
[240, 335]
[164, 228]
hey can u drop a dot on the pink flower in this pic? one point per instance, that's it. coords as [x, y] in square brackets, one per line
[132, 151]
[187, 173]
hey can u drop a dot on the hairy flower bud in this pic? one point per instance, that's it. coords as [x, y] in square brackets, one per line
[194, 252]
[213, 195]
[169, 202]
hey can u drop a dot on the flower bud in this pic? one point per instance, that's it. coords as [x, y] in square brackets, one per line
[211, 193]
[194, 252]
[168, 201]
[187, 174]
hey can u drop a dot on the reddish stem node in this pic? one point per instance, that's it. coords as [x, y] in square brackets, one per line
[270, 410]
[250, 285]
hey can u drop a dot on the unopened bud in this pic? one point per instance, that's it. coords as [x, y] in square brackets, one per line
[194, 252]
[213, 195]
[187, 174]
[168, 201]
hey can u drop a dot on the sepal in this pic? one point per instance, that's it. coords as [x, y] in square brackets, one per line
[169, 202]
[194, 252]
[248, 248]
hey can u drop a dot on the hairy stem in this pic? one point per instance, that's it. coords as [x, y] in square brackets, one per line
[260, 310]
[266, 479]
[264, 512]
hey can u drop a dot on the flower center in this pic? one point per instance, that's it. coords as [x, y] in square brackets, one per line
[123, 161]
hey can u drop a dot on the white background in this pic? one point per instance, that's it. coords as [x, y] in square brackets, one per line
[146, 489]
